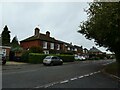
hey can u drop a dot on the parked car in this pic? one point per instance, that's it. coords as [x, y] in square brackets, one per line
[3, 61]
[52, 60]
[77, 57]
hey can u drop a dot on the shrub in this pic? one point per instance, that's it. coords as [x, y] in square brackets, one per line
[36, 58]
[67, 58]
[25, 56]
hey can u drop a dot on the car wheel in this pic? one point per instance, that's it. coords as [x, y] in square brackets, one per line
[44, 64]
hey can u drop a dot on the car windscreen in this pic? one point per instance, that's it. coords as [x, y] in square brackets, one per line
[48, 57]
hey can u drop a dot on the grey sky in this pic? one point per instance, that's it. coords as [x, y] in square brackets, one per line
[60, 18]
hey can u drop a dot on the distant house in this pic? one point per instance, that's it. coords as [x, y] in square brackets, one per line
[48, 43]
[94, 50]
[78, 49]
[85, 51]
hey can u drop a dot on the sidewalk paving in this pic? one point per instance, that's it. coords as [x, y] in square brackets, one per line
[15, 63]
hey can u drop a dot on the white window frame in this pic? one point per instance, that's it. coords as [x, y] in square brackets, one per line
[75, 49]
[45, 45]
[46, 52]
[58, 46]
[51, 45]
[68, 48]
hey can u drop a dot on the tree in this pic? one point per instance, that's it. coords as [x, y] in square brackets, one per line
[15, 42]
[103, 25]
[5, 36]
[15, 46]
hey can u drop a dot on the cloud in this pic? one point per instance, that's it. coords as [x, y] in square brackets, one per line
[61, 19]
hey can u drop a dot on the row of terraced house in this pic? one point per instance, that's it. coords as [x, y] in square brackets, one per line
[50, 44]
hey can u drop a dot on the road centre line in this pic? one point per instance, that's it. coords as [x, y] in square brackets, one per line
[80, 77]
[86, 75]
[73, 79]
[66, 81]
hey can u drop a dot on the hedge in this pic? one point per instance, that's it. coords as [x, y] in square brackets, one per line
[38, 58]
[67, 58]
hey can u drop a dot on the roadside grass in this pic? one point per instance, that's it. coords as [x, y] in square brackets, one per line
[113, 68]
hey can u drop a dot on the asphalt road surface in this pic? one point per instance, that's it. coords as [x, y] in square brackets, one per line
[83, 74]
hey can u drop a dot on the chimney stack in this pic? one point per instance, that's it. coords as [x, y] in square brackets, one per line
[48, 33]
[37, 30]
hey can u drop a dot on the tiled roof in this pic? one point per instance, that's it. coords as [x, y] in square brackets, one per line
[77, 46]
[94, 49]
[42, 37]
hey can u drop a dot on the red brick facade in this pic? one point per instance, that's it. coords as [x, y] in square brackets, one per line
[38, 39]
[29, 44]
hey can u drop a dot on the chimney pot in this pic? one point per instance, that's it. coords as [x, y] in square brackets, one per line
[48, 33]
[37, 30]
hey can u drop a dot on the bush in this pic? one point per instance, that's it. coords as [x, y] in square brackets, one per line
[67, 58]
[25, 56]
[36, 58]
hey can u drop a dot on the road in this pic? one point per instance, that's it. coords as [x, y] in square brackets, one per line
[84, 74]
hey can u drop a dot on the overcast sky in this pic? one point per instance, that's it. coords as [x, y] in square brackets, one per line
[60, 18]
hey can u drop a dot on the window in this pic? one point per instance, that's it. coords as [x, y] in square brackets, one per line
[48, 57]
[68, 48]
[75, 49]
[54, 58]
[45, 45]
[46, 52]
[58, 46]
[52, 45]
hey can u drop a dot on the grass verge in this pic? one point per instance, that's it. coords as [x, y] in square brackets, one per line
[113, 69]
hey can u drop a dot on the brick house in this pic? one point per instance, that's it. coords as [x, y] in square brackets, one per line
[48, 43]
[78, 49]
[95, 51]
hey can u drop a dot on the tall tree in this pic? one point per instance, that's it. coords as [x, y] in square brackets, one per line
[15, 42]
[103, 25]
[5, 36]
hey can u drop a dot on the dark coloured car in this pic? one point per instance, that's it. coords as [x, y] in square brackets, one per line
[52, 60]
[3, 60]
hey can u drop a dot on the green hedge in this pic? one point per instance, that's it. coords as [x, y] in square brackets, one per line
[38, 58]
[25, 57]
[67, 58]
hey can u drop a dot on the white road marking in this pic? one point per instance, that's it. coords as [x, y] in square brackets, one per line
[94, 72]
[73, 79]
[91, 73]
[99, 71]
[86, 75]
[80, 76]
[65, 81]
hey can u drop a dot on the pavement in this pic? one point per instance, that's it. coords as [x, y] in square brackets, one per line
[15, 63]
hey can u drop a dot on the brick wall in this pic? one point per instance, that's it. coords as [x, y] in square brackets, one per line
[29, 44]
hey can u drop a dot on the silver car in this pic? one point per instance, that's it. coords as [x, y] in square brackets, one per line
[52, 60]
